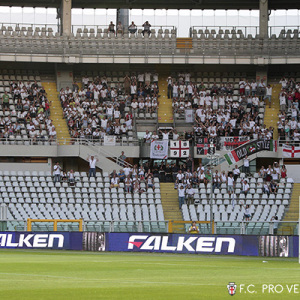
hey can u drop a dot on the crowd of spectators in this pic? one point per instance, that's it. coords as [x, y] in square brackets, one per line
[289, 122]
[99, 109]
[216, 113]
[26, 112]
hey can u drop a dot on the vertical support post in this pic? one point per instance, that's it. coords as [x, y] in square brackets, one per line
[80, 225]
[28, 224]
[55, 225]
[263, 18]
[170, 226]
[65, 16]
[123, 17]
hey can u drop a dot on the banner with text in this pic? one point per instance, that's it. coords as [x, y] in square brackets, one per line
[41, 240]
[159, 149]
[203, 145]
[250, 148]
[232, 142]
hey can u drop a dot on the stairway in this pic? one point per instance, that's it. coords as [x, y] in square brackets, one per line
[170, 204]
[292, 214]
[184, 43]
[271, 114]
[165, 111]
[56, 111]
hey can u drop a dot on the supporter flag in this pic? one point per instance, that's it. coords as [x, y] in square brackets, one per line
[231, 157]
[179, 149]
[291, 151]
[159, 149]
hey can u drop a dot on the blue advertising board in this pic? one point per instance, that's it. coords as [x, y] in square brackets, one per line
[183, 243]
[41, 240]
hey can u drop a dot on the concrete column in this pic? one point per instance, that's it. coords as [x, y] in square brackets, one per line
[123, 17]
[64, 76]
[262, 73]
[65, 17]
[263, 18]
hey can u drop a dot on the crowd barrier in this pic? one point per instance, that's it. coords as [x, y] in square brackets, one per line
[244, 245]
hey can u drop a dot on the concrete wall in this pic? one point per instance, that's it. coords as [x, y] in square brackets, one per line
[25, 167]
[293, 172]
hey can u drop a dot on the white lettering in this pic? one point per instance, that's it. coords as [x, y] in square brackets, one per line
[181, 243]
[241, 287]
[205, 244]
[280, 288]
[9, 241]
[248, 289]
[296, 288]
[289, 289]
[147, 245]
[164, 244]
[230, 241]
[3, 240]
[60, 238]
[40, 240]
[264, 287]
[25, 240]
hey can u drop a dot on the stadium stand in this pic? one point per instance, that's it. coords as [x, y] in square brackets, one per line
[25, 111]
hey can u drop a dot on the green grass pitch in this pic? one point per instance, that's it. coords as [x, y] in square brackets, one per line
[29, 274]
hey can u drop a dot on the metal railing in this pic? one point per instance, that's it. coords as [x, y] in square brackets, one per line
[221, 227]
[245, 30]
[66, 141]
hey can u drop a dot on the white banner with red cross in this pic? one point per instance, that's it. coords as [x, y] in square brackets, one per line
[159, 149]
[291, 151]
[179, 149]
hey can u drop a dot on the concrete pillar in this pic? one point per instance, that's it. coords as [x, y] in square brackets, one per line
[263, 18]
[65, 17]
[64, 76]
[123, 17]
[262, 73]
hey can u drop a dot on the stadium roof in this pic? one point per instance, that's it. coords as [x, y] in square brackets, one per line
[160, 4]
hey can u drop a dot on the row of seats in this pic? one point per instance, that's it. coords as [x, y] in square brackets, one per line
[107, 212]
[259, 212]
[139, 44]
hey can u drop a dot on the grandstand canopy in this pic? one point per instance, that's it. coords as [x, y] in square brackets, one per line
[160, 4]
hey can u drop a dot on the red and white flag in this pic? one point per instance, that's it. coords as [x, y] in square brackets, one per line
[291, 151]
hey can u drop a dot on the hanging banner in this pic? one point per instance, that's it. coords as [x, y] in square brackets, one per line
[290, 151]
[179, 148]
[159, 149]
[232, 142]
[249, 149]
[109, 140]
[189, 116]
[203, 145]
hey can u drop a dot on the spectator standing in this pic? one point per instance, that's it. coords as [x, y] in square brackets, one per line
[92, 164]
[170, 87]
[71, 177]
[268, 94]
[57, 171]
[247, 214]
[122, 159]
[181, 196]
[190, 194]
[230, 181]
[246, 165]
[275, 224]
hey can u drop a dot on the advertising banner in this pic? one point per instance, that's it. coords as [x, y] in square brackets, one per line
[183, 243]
[109, 140]
[41, 240]
[250, 148]
[159, 149]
